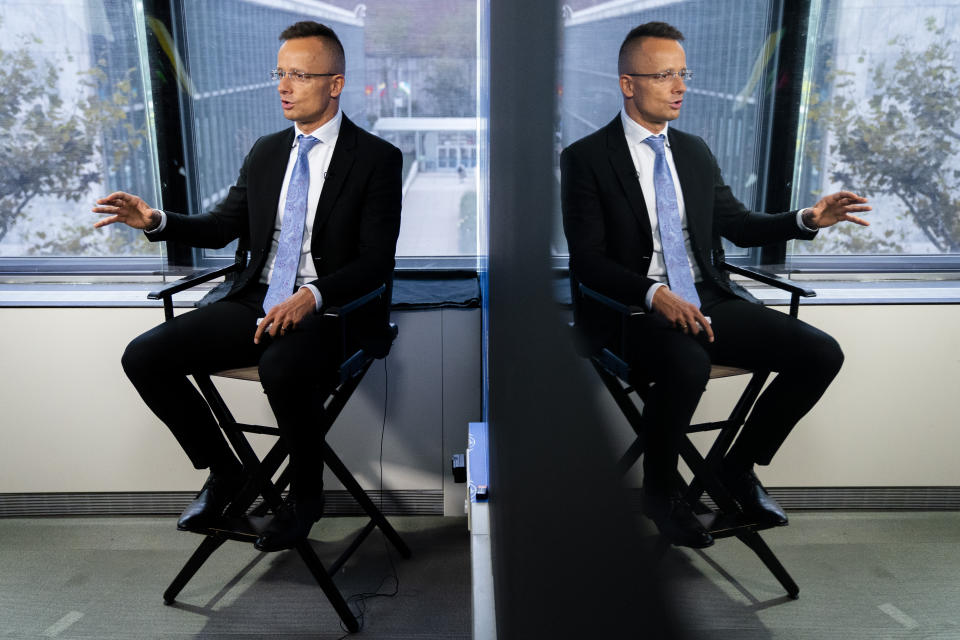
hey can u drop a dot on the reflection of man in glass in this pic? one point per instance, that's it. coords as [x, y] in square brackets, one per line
[644, 208]
[318, 206]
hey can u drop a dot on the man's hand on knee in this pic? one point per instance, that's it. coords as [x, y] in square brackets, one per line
[680, 313]
[286, 315]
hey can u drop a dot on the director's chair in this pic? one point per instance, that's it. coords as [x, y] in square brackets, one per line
[245, 519]
[726, 519]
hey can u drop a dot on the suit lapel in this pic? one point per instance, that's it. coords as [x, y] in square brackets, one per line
[691, 184]
[622, 163]
[273, 173]
[344, 155]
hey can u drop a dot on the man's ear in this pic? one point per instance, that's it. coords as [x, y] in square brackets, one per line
[337, 88]
[626, 86]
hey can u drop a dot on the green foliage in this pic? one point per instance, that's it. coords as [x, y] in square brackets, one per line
[451, 92]
[901, 141]
[395, 28]
[76, 238]
[51, 147]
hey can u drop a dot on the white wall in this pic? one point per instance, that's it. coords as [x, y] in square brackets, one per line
[72, 422]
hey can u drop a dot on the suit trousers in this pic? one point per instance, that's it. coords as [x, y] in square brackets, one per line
[297, 371]
[746, 335]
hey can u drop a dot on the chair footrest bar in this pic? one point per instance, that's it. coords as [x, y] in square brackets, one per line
[250, 428]
[722, 525]
[242, 529]
[707, 426]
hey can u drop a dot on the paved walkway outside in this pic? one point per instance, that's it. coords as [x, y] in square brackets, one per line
[430, 213]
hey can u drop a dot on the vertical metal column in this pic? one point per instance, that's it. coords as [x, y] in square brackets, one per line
[565, 548]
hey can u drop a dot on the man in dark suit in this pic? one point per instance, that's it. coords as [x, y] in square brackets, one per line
[318, 206]
[643, 214]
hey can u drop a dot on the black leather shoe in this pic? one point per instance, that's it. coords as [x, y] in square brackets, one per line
[207, 508]
[753, 498]
[676, 521]
[291, 525]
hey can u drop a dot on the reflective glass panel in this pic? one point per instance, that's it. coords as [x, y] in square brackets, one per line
[75, 123]
[730, 46]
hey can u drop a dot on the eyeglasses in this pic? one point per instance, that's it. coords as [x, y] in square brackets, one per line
[685, 74]
[297, 76]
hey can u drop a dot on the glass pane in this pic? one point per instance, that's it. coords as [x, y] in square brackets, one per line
[411, 79]
[883, 119]
[75, 126]
[729, 45]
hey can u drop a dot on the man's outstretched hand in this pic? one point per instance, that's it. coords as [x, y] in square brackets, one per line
[837, 207]
[128, 209]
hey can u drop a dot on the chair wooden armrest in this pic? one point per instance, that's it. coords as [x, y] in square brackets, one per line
[191, 280]
[619, 307]
[770, 279]
[344, 309]
[199, 277]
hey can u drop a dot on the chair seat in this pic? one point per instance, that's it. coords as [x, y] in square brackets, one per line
[250, 373]
[721, 371]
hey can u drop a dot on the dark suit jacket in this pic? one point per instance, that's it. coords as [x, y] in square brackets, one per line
[608, 230]
[355, 225]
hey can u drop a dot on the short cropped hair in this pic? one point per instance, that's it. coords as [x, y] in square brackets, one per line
[637, 34]
[311, 29]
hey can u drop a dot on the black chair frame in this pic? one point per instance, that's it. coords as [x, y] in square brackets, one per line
[726, 520]
[244, 520]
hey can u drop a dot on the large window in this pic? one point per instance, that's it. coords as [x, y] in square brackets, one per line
[74, 124]
[882, 118]
[98, 95]
[79, 118]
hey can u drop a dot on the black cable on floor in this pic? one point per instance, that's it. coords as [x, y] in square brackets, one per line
[359, 600]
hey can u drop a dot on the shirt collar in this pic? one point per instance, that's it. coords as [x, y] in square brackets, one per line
[636, 133]
[327, 133]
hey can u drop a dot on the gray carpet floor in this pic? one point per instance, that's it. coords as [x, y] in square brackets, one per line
[871, 576]
[103, 578]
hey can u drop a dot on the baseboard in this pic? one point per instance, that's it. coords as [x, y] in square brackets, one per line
[868, 498]
[413, 502]
[147, 503]
[859, 498]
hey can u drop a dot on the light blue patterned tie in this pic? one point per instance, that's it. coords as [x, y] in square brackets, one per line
[287, 262]
[668, 218]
